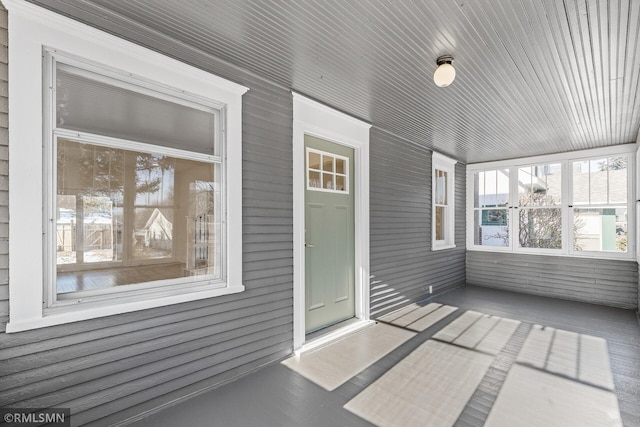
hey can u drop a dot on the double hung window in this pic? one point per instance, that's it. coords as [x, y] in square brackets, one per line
[443, 185]
[539, 201]
[555, 205]
[600, 204]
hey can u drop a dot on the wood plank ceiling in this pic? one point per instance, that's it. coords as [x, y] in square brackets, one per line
[533, 76]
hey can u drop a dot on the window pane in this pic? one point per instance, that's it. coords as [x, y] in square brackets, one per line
[327, 181]
[478, 189]
[491, 227]
[127, 114]
[314, 179]
[540, 185]
[441, 187]
[600, 229]
[502, 188]
[488, 192]
[340, 166]
[540, 228]
[126, 217]
[491, 188]
[340, 183]
[440, 222]
[618, 179]
[66, 229]
[327, 163]
[314, 160]
[581, 183]
[598, 181]
[89, 197]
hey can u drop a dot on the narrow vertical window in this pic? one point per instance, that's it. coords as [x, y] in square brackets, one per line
[443, 202]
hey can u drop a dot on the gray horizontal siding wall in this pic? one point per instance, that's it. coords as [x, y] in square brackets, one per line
[403, 265]
[110, 369]
[598, 281]
[4, 171]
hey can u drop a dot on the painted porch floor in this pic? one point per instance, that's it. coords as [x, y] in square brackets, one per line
[500, 359]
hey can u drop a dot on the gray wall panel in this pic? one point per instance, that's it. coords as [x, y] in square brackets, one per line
[597, 281]
[403, 266]
[4, 173]
[112, 368]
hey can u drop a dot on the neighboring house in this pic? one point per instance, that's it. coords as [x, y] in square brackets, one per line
[270, 191]
[157, 231]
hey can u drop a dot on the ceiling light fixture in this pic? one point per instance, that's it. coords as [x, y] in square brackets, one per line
[445, 73]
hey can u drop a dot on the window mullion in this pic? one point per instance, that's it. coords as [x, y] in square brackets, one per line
[513, 208]
[565, 204]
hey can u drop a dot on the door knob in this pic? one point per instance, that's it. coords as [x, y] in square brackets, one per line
[309, 245]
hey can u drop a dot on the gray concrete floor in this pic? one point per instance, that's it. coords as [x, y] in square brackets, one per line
[277, 396]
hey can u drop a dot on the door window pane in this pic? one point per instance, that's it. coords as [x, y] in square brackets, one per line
[327, 163]
[327, 172]
[314, 160]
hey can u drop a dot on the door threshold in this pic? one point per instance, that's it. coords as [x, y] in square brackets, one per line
[333, 334]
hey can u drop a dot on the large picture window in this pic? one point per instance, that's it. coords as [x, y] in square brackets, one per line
[126, 190]
[554, 204]
[138, 185]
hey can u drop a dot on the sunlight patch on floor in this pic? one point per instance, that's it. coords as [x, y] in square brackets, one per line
[431, 386]
[334, 364]
[530, 397]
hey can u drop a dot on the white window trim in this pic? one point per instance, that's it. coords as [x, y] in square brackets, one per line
[567, 234]
[31, 28]
[448, 165]
[313, 118]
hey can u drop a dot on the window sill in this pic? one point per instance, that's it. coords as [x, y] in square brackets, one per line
[556, 253]
[112, 309]
[442, 247]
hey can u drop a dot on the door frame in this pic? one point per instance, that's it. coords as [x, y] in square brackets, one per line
[315, 119]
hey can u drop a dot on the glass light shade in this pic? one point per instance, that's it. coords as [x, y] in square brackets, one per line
[444, 75]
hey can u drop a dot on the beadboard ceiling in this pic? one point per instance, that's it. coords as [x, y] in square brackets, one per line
[533, 76]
